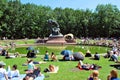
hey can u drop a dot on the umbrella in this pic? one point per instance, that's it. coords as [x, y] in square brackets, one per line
[66, 52]
[78, 56]
[30, 48]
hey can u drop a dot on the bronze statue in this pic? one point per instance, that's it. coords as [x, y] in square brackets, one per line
[55, 30]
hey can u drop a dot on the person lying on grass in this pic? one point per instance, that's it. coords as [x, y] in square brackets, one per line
[34, 62]
[83, 66]
[87, 66]
[51, 69]
[31, 75]
[8, 56]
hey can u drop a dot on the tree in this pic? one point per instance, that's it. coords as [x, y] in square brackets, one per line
[107, 16]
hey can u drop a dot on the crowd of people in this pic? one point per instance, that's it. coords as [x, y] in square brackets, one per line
[8, 74]
[33, 71]
[52, 56]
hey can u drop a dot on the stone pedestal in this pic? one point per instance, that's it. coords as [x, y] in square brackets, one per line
[56, 40]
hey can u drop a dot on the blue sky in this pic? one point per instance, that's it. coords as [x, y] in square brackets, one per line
[75, 4]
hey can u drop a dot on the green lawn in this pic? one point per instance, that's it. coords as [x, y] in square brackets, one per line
[17, 42]
[57, 49]
[66, 68]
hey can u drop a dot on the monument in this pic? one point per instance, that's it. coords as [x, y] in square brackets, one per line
[55, 37]
[69, 38]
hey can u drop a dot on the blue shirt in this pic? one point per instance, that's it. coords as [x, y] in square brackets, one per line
[115, 78]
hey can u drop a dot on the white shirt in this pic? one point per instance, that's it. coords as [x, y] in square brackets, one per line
[2, 73]
[14, 73]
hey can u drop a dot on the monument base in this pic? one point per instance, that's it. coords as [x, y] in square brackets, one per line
[71, 41]
[59, 35]
[56, 40]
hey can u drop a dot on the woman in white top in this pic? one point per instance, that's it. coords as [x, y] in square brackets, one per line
[14, 72]
[3, 73]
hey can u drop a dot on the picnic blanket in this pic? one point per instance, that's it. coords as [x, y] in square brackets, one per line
[23, 75]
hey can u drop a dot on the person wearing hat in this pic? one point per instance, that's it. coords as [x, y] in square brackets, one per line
[88, 54]
[3, 73]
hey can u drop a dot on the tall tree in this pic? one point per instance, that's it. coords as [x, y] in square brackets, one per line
[107, 16]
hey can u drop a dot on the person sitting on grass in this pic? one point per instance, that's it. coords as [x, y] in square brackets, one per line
[4, 52]
[53, 57]
[46, 57]
[14, 72]
[68, 58]
[88, 54]
[3, 73]
[114, 57]
[113, 75]
[31, 54]
[94, 75]
[107, 55]
[31, 66]
[97, 56]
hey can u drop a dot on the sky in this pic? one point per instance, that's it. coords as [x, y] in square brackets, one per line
[75, 4]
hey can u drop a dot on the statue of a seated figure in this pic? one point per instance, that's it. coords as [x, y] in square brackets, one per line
[55, 30]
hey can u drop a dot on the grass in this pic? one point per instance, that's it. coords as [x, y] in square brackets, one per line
[58, 49]
[66, 71]
[17, 42]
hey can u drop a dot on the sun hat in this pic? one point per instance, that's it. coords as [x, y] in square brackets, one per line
[88, 51]
[2, 63]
